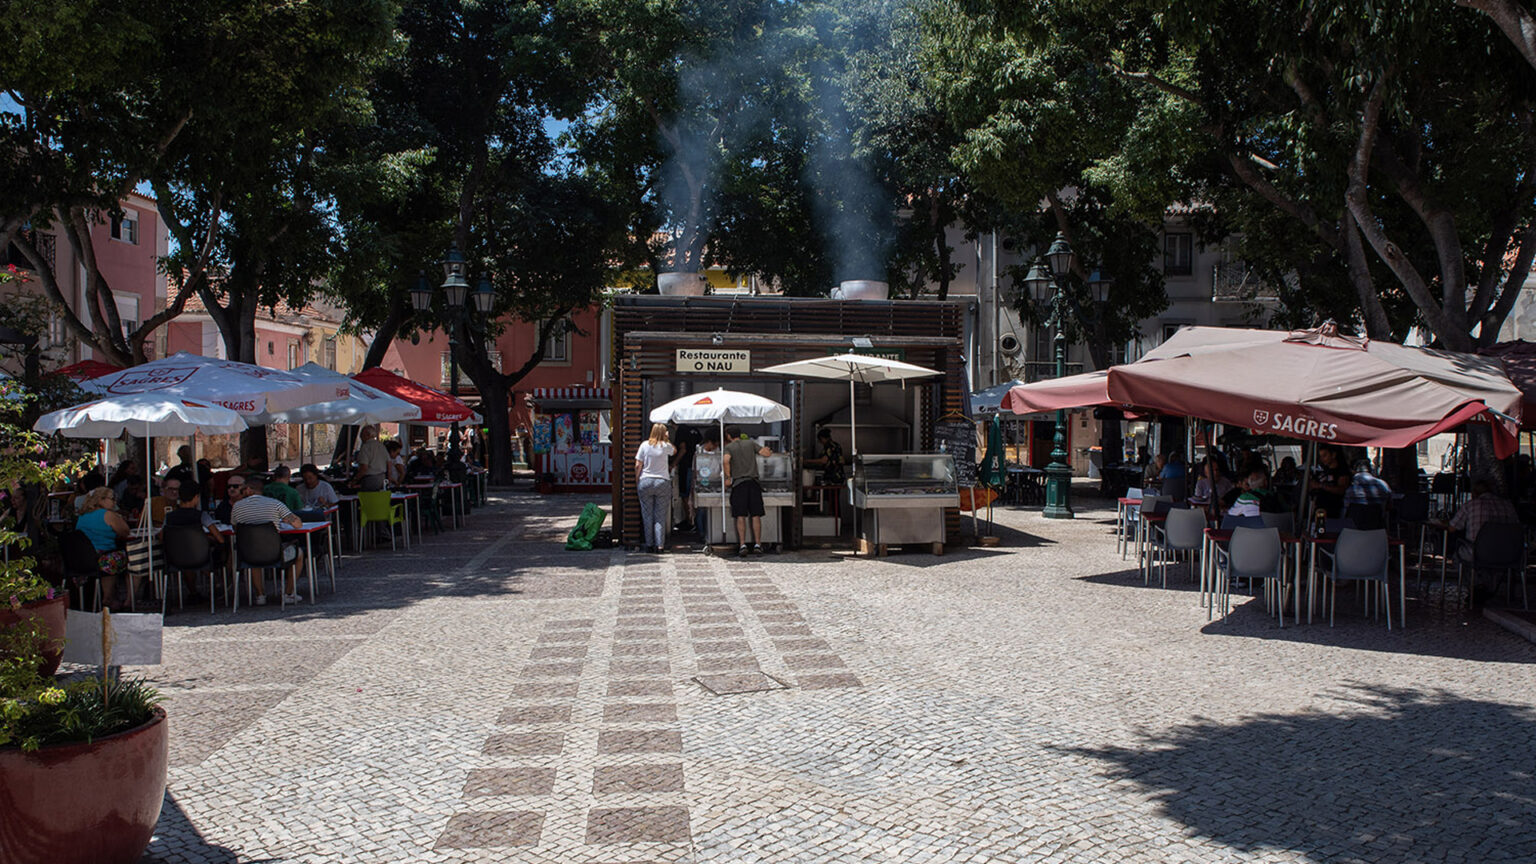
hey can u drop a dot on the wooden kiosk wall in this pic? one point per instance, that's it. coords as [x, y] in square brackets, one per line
[648, 330]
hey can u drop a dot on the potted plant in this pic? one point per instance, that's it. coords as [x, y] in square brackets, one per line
[25, 596]
[82, 763]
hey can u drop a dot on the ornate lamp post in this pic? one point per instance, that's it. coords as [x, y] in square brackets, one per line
[455, 290]
[1039, 282]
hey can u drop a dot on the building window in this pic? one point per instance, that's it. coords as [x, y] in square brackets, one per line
[294, 358]
[126, 227]
[558, 346]
[1178, 254]
[330, 352]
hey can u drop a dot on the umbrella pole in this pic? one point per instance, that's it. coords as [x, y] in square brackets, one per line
[723, 513]
[853, 419]
[149, 512]
[1306, 487]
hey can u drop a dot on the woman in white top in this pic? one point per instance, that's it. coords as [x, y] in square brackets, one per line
[655, 487]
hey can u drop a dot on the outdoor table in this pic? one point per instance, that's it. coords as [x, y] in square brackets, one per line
[1329, 540]
[415, 504]
[1215, 537]
[349, 502]
[1146, 524]
[307, 530]
[457, 497]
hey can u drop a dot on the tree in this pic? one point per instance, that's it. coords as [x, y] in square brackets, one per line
[466, 150]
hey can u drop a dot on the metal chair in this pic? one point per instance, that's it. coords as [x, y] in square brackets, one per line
[1358, 556]
[1183, 531]
[187, 549]
[1499, 546]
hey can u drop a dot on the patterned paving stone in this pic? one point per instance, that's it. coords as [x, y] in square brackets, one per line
[555, 652]
[640, 741]
[640, 635]
[535, 714]
[754, 682]
[640, 649]
[646, 687]
[801, 645]
[524, 744]
[729, 646]
[492, 829]
[552, 670]
[813, 661]
[638, 825]
[636, 779]
[639, 667]
[559, 637]
[545, 690]
[827, 682]
[569, 624]
[781, 618]
[509, 781]
[777, 630]
[640, 713]
[716, 632]
[711, 617]
[743, 663]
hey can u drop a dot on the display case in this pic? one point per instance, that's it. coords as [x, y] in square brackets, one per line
[776, 472]
[901, 498]
[706, 471]
[776, 475]
[916, 480]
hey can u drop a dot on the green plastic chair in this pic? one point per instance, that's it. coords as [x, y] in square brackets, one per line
[377, 507]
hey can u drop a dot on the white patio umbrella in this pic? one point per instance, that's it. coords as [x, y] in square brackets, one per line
[245, 388]
[362, 405]
[855, 369]
[721, 406]
[142, 415]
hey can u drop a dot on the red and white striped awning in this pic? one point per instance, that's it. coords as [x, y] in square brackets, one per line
[570, 397]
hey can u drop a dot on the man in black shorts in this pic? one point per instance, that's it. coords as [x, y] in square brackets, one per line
[740, 475]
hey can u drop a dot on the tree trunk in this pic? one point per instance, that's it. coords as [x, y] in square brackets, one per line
[493, 406]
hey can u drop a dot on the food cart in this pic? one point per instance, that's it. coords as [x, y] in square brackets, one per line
[775, 474]
[571, 450]
[901, 499]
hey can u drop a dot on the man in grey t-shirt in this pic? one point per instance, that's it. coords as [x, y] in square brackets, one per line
[740, 475]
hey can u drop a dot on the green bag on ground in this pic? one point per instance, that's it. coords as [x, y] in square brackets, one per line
[587, 525]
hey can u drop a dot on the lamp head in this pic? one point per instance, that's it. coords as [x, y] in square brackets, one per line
[421, 293]
[1038, 283]
[454, 285]
[1060, 254]
[485, 296]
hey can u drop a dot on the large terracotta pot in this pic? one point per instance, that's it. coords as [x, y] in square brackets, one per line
[81, 803]
[52, 614]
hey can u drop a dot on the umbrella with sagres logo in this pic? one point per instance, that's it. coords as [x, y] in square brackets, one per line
[1316, 385]
[143, 415]
[241, 387]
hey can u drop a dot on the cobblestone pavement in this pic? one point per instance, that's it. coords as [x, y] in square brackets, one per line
[486, 696]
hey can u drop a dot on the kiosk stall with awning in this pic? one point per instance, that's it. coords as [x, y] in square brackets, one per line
[570, 438]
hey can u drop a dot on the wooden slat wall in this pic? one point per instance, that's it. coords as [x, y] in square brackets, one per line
[647, 330]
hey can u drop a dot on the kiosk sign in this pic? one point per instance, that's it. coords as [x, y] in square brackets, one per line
[714, 360]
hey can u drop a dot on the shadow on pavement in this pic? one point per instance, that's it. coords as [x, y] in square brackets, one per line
[1405, 775]
[177, 839]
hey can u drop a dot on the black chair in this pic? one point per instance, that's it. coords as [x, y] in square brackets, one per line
[258, 547]
[1499, 546]
[83, 563]
[1366, 517]
[188, 549]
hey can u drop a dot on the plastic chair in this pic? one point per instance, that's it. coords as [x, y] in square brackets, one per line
[377, 507]
[1183, 531]
[1148, 507]
[1125, 517]
[1499, 546]
[187, 549]
[1357, 556]
[1285, 523]
[1254, 553]
[82, 562]
[258, 546]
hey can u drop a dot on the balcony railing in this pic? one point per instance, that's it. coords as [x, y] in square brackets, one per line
[1235, 280]
[45, 244]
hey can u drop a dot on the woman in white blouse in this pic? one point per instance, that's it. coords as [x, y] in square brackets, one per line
[655, 487]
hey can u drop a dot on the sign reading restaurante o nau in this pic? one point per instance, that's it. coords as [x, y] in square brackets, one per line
[713, 360]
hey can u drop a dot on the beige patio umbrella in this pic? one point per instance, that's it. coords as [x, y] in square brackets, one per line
[855, 369]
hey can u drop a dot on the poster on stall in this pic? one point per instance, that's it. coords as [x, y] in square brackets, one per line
[564, 433]
[541, 435]
[588, 431]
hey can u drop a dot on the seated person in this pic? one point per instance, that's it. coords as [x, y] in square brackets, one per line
[1366, 488]
[170, 492]
[105, 527]
[253, 509]
[395, 473]
[234, 490]
[189, 512]
[131, 501]
[1213, 484]
[280, 487]
[424, 464]
[1251, 501]
[315, 494]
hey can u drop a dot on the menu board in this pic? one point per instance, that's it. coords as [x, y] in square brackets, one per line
[959, 440]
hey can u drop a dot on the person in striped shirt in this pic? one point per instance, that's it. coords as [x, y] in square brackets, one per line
[253, 508]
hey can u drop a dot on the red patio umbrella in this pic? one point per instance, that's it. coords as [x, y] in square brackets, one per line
[1309, 384]
[437, 407]
[85, 370]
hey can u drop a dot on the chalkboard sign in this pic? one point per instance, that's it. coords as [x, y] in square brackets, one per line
[959, 440]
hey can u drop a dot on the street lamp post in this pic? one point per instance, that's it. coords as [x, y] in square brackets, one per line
[1058, 474]
[455, 289]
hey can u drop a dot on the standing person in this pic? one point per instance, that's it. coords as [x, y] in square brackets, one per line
[1329, 482]
[654, 486]
[830, 460]
[184, 471]
[372, 462]
[740, 475]
[688, 440]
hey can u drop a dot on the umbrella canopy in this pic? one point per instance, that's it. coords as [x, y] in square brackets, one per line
[85, 370]
[855, 369]
[992, 399]
[437, 408]
[1519, 360]
[720, 406]
[242, 387]
[1308, 384]
[143, 415]
[363, 404]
